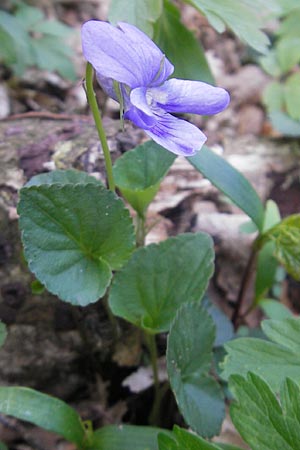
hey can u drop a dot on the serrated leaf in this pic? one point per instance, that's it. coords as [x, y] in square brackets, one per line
[271, 360]
[44, 411]
[74, 236]
[273, 96]
[189, 359]
[181, 46]
[141, 13]
[286, 239]
[231, 182]
[273, 309]
[138, 173]
[285, 124]
[3, 333]
[125, 437]
[262, 422]
[289, 26]
[270, 64]
[243, 17]
[70, 176]
[159, 278]
[292, 94]
[184, 440]
[288, 52]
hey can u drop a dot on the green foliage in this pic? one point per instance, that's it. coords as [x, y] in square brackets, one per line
[286, 239]
[245, 18]
[181, 46]
[189, 359]
[273, 309]
[272, 360]
[282, 96]
[231, 182]
[266, 263]
[141, 13]
[159, 278]
[74, 235]
[138, 173]
[29, 39]
[184, 440]
[40, 409]
[262, 421]
[125, 437]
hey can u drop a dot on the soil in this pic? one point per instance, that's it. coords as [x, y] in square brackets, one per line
[70, 352]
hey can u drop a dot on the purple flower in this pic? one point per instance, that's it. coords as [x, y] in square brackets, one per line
[134, 71]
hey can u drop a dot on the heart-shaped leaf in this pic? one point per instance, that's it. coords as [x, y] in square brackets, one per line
[70, 176]
[189, 359]
[159, 278]
[138, 173]
[74, 236]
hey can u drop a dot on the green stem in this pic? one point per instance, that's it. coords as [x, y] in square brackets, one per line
[154, 415]
[140, 230]
[98, 122]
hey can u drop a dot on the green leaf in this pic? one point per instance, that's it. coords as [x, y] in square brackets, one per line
[3, 333]
[28, 15]
[231, 182]
[284, 332]
[3, 446]
[270, 64]
[21, 53]
[271, 360]
[159, 278]
[74, 236]
[141, 13]
[183, 440]
[52, 28]
[181, 46]
[285, 124]
[70, 176]
[288, 52]
[44, 411]
[274, 309]
[266, 263]
[292, 94]
[273, 96]
[286, 239]
[51, 54]
[125, 437]
[289, 26]
[243, 17]
[189, 359]
[262, 422]
[138, 173]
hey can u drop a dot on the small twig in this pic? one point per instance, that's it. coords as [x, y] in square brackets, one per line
[244, 285]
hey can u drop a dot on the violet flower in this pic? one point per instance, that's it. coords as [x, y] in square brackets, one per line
[133, 70]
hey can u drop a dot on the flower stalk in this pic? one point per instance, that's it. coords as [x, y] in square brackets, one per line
[91, 97]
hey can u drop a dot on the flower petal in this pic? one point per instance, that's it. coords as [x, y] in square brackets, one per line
[176, 135]
[183, 96]
[138, 100]
[124, 54]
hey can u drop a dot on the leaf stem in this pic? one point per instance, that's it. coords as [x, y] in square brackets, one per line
[154, 414]
[140, 230]
[99, 125]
